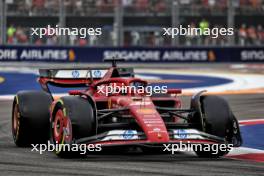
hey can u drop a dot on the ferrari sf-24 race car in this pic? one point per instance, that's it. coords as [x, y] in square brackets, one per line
[88, 116]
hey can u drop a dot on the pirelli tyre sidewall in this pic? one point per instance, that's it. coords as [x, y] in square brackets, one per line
[218, 121]
[30, 118]
[72, 118]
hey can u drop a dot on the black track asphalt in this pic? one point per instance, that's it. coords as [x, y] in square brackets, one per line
[21, 161]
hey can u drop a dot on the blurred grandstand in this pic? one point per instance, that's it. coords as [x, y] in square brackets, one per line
[133, 22]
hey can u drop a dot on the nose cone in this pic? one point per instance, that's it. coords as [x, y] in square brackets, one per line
[147, 117]
[152, 124]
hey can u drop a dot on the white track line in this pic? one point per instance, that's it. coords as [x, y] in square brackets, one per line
[241, 81]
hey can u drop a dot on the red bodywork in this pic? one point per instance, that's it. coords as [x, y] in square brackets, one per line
[140, 107]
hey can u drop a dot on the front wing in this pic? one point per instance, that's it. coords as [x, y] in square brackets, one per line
[133, 137]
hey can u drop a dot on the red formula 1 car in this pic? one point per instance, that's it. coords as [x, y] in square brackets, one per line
[120, 118]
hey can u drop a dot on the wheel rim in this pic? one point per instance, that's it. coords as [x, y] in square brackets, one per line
[16, 121]
[61, 128]
[58, 126]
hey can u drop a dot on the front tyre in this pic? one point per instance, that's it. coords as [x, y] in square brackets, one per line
[73, 118]
[217, 120]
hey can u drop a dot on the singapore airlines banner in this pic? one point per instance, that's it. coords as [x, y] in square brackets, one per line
[131, 54]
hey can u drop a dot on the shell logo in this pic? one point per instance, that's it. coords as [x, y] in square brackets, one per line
[211, 56]
[2, 79]
[72, 55]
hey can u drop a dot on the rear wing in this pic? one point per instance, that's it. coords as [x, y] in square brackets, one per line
[77, 77]
[72, 73]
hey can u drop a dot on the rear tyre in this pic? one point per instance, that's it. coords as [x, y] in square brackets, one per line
[72, 118]
[218, 121]
[30, 118]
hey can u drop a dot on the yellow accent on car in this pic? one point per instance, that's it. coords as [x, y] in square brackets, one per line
[61, 145]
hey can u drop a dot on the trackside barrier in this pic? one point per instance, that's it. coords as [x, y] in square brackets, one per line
[131, 54]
